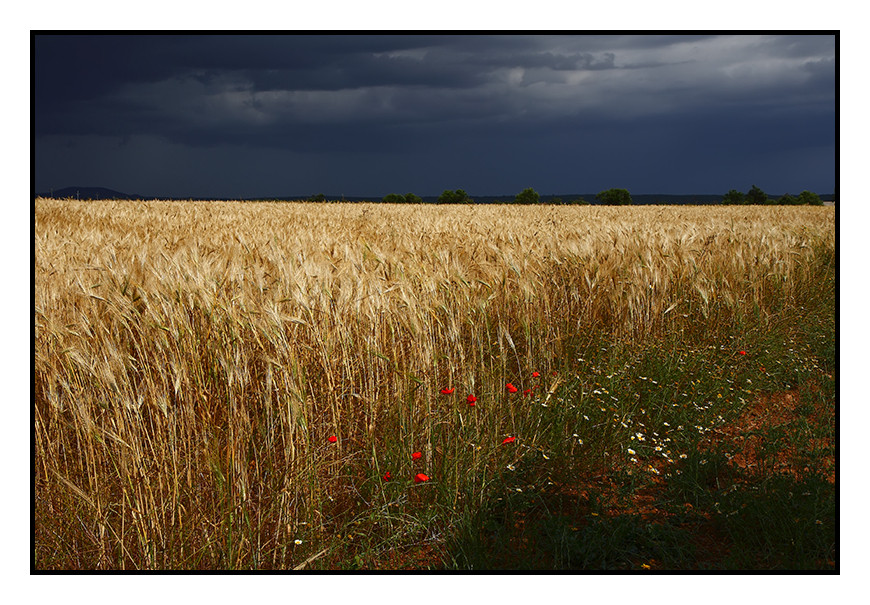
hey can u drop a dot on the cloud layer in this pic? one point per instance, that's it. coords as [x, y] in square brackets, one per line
[192, 115]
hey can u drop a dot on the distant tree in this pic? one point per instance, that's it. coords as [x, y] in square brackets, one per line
[393, 198]
[614, 197]
[787, 199]
[446, 196]
[808, 197]
[527, 196]
[579, 202]
[410, 198]
[454, 197]
[734, 197]
[317, 198]
[556, 200]
[756, 196]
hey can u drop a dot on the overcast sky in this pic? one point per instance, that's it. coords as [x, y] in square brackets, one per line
[365, 115]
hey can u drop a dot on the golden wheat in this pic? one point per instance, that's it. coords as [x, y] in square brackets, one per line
[191, 357]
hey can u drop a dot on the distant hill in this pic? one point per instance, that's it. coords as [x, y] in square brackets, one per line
[91, 193]
[641, 199]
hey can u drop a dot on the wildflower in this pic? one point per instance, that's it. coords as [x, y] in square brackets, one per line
[416, 455]
[511, 467]
[297, 541]
[631, 451]
[388, 476]
[527, 392]
[535, 374]
[446, 391]
[420, 478]
[333, 438]
[511, 388]
[509, 440]
[741, 352]
[471, 400]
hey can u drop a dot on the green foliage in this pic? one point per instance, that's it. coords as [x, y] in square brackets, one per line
[782, 523]
[454, 197]
[808, 197]
[734, 197]
[614, 197]
[398, 198]
[579, 202]
[527, 196]
[756, 196]
[317, 198]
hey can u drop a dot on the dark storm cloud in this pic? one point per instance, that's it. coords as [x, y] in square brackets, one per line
[341, 95]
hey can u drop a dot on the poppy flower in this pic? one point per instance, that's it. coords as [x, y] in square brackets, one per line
[420, 478]
[509, 440]
[446, 391]
[535, 374]
[742, 352]
[416, 456]
[511, 388]
[471, 400]
[527, 392]
[333, 439]
[388, 476]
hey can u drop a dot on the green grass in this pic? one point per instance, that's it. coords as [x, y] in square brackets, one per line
[673, 396]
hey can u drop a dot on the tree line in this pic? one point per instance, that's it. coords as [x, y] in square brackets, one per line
[756, 196]
[607, 197]
[526, 196]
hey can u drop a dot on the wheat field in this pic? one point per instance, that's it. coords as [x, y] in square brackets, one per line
[192, 359]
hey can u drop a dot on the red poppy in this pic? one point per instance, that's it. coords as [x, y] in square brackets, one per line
[527, 392]
[333, 439]
[416, 456]
[535, 374]
[742, 352]
[509, 440]
[446, 391]
[554, 373]
[388, 476]
[471, 399]
[511, 388]
[420, 478]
